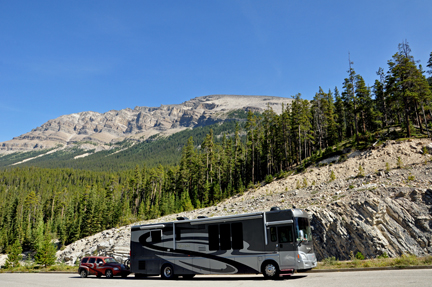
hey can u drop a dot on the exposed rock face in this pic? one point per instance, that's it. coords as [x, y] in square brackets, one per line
[141, 122]
[391, 220]
[384, 211]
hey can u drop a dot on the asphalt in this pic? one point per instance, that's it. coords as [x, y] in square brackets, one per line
[310, 271]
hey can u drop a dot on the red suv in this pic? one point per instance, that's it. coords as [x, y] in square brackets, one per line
[99, 265]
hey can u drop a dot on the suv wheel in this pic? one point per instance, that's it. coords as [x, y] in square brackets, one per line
[109, 274]
[83, 273]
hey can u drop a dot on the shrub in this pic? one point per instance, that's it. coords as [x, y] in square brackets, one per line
[298, 186]
[359, 256]
[332, 176]
[268, 178]
[411, 177]
[305, 183]
[406, 260]
[383, 256]
[343, 158]
[387, 167]
[361, 172]
[301, 168]
[282, 174]
[329, 260]
[399, 162]
[328, 151]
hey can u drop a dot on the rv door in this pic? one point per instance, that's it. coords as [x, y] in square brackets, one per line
[287, 246]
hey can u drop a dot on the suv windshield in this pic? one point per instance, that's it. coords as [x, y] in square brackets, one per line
[110, 260]
[303, 229]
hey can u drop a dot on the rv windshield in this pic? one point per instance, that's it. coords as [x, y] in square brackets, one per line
[303, 229]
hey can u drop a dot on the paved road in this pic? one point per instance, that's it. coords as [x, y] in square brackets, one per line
[417, 278]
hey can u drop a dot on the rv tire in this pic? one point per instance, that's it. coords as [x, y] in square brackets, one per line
[167, 272]
[270, 270]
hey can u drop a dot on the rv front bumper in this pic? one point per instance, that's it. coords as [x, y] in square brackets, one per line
[306, 261]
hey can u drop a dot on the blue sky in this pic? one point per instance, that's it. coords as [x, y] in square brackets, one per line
[63, 57]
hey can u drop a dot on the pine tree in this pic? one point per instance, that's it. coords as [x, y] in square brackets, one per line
[381, 96]
[269, 119]
[208, 148]
[46, 253]
[186, 203]
[407, 85]
[350, 100]
[429, 65]
[14, 254]
[340, 116]
[330, 123]
[39, 232]
[252, 141]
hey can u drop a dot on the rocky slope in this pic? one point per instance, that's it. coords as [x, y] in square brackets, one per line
[139, 123]
[386, 210]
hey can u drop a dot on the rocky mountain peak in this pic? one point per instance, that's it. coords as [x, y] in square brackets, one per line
[138, 123]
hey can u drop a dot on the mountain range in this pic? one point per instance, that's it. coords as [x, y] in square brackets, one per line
[87, 133]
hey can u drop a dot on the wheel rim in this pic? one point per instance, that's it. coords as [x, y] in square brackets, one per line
[270, 270]
[83, 274]
[109, 274]
[168, 272]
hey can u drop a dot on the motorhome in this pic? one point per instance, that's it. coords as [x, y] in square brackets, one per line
[274, 243]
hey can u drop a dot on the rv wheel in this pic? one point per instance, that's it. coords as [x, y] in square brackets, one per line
[270, 270]
[167, 272]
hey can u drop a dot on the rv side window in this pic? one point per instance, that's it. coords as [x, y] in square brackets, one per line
[285, 234]
[156, 236]
[213, 232]
[273, 236]
[237, 235]
[225, 236]
[177, 234]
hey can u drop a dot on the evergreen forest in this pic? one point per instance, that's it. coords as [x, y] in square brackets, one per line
[40, 202]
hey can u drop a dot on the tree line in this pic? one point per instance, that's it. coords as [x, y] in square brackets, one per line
[38, 204]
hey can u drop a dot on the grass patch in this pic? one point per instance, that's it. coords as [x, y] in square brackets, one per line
[381, 261]
[35, 268]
